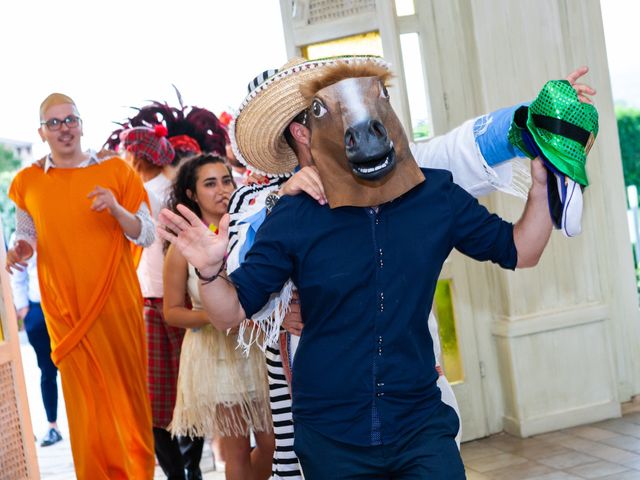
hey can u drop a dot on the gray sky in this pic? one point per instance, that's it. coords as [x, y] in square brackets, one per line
[622, 36]
[132, 51]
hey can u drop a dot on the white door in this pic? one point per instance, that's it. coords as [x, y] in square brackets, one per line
[460, 359]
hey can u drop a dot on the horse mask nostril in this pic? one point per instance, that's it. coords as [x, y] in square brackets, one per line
[350, 138]
[377, 128]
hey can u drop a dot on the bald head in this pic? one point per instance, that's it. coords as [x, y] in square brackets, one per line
[53, 100]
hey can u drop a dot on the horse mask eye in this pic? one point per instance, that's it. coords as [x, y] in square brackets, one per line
[359, 146]
[318, 109]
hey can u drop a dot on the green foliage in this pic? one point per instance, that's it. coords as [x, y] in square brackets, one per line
[9, 165]
[421, 130]
[9, 161]
[629, 134]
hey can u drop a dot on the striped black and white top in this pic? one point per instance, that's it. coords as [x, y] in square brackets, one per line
[285, 463]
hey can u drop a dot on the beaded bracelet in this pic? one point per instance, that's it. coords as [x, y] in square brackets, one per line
[207, 280]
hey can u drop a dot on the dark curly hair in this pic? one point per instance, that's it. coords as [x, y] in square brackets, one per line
[186, 179]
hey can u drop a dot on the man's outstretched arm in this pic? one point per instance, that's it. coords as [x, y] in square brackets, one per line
[478, 152]
[531, 233]
[206, 252]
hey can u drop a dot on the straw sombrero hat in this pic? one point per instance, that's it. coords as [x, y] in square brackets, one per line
[273, 102]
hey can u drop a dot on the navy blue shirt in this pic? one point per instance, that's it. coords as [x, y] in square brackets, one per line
[364, 369]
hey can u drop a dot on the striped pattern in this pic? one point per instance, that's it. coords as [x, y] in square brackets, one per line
[253, 84]
[285, 463]
[239, 204]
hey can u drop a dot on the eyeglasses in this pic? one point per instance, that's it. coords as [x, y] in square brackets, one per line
[54, 124]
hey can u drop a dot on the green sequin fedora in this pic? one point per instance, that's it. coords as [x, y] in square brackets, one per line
[563, 128]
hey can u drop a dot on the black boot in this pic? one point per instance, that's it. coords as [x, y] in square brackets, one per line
[191, 449]
[169, 456]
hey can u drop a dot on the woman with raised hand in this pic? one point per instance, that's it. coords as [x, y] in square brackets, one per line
[221, 392]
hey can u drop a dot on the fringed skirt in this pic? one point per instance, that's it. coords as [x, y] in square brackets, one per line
[221, 391]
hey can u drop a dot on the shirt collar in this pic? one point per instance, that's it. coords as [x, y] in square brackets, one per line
[92, 160]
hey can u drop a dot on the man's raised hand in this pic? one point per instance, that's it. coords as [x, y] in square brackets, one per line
[18, 255]
[581, 89]
[194, 240]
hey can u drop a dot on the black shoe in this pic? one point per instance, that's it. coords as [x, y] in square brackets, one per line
[52, 436]
[194, 474]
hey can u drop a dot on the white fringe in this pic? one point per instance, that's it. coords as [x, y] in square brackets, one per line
[220, 391]
[521, 176]
[263, 328]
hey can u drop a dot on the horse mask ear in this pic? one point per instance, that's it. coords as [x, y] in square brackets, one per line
[359, 145]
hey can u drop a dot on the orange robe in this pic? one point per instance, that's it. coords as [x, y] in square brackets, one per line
[93, 306]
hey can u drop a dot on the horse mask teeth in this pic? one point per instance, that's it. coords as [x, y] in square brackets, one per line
[359, 145]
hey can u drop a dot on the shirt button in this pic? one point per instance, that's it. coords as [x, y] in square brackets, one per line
[377, 221]
[380, 384]
[380, 394]
[380, 340]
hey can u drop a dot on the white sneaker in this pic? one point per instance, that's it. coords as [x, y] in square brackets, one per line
[572, 208]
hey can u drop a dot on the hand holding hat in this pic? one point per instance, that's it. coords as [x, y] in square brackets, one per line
[560, 129]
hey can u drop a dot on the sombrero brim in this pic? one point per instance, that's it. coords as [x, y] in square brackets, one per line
[257, 131]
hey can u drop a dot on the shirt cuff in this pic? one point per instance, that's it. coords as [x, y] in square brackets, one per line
[147, 228]
[25, 228]
[20, 302]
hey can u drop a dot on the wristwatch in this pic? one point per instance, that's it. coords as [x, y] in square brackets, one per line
[271, 201]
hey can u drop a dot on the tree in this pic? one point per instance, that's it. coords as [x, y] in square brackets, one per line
[628, 120]
[9, 165]
[629, 135]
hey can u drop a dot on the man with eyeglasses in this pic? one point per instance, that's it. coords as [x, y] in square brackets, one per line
[83, 212]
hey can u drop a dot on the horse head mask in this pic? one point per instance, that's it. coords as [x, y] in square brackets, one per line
[357, 141]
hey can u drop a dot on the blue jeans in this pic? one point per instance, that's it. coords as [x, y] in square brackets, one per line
[430, 452]
[39, 339]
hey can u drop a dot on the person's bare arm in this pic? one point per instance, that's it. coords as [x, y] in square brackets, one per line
[292, 322]
[531, 233]
[206, 252]
[175, 277]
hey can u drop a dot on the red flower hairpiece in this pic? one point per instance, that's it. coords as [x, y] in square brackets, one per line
[225, 119]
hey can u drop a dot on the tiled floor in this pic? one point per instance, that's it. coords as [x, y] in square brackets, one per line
[55, 461]
[607, 450]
